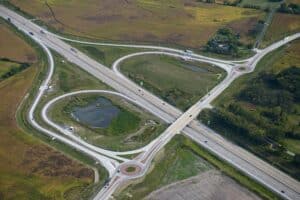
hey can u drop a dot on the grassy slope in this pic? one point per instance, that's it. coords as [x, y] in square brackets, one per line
[171, 78]
[173, 22]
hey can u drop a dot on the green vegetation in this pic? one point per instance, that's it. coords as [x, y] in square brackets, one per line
[105, 55]
[226, 42]
[130, 169]
[181, 83]
[181, 159]
[6, 66]
[176, 162]
[261, 111]
[14, 70]
[260, 4]
[290, 8]
[124, 122]
[132, 128]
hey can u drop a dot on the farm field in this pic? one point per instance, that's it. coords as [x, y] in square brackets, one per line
[236, 106]
[184, 23]
[281, 26]
[29, 169]
[179, 82]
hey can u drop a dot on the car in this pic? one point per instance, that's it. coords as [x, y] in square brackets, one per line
[31, 33]
[42, 32]
[72, 49]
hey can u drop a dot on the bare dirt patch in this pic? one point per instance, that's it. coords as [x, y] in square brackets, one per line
[210, 185]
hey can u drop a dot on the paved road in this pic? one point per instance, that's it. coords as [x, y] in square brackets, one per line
[271, 177]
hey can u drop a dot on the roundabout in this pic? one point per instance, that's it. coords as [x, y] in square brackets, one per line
[131, 169]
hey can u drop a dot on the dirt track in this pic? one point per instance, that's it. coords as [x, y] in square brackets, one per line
[211, 185]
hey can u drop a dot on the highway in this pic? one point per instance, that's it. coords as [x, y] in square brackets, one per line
[256, 168]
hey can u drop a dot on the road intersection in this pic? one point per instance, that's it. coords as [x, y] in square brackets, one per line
[180, 122]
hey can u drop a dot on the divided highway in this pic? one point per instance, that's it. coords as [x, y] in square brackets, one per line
[271, 177]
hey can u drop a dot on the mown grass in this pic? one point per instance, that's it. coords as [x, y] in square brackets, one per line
[181, 83]
[169, 22]
[176, 162]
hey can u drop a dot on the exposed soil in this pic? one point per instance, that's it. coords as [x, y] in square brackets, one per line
[210, 185]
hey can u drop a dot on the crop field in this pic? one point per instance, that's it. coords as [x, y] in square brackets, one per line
[281, 26]
[14, 48]
[186, 23]
[30, 169]
[181, 83]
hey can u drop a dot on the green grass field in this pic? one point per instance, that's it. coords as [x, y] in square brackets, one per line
[181, 83]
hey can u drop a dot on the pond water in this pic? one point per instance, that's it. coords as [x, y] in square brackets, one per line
[97, 114]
